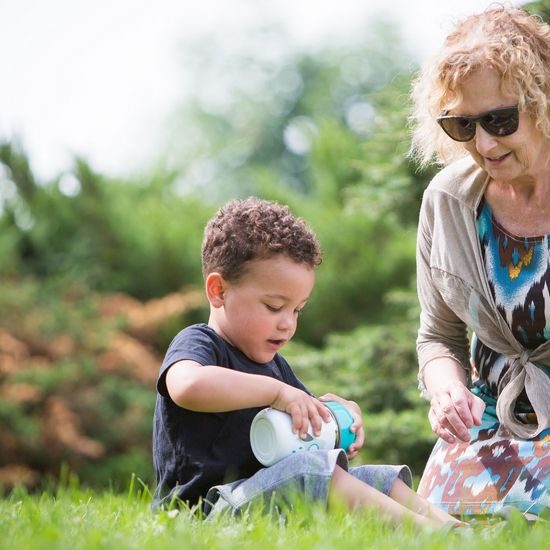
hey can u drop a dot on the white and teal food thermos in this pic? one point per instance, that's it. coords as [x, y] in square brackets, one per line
[272, 439]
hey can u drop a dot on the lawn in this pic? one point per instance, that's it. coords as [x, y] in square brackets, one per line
[76, 518]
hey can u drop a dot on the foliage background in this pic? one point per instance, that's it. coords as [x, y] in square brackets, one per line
[98, 274]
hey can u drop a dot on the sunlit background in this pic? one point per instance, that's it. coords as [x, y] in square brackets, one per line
[102, 79]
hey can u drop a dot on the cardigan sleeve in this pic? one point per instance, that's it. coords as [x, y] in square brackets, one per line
[441, 333]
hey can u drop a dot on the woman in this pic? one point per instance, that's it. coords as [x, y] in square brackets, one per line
[482, 108]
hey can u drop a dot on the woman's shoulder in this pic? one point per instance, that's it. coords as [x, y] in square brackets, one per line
[463, 179]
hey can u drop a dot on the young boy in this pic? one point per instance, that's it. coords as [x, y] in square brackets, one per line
[259, 270]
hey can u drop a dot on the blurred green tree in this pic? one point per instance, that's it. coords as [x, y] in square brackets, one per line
[133, 236]
[540, 7]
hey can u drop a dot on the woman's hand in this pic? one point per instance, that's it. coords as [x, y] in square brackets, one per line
[356, 427]
[454, 410]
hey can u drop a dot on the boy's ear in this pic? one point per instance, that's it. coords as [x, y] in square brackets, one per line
[215, 289]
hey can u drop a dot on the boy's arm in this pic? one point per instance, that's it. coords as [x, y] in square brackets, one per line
[357, 425]
[216, 389]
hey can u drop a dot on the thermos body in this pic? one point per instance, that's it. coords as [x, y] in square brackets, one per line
[272, 439]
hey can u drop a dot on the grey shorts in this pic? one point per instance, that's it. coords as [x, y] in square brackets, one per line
[307, 473]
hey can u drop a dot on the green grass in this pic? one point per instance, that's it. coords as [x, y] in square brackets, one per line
[75, 518]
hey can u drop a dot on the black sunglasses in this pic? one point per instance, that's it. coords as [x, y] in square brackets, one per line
[498, 122]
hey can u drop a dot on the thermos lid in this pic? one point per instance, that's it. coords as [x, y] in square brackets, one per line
[344, 420]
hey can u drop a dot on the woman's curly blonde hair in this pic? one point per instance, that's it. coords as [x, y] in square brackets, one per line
[512, 42]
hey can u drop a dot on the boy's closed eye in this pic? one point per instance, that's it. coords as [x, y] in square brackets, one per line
[276, 309]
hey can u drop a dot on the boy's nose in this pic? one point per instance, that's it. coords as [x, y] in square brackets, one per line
[286, 322]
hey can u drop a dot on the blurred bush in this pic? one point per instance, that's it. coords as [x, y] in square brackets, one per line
[77, 381]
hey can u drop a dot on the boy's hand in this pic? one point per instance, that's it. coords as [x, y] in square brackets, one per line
[356, 427]
[303, 409]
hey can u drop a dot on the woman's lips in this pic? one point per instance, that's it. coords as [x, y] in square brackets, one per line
[498, 160]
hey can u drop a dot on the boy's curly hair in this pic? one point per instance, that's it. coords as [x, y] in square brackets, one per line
[252, 228]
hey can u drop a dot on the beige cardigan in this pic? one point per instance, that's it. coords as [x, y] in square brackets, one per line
[454, 296]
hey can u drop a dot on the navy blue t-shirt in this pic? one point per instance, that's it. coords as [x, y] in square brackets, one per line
[193, 451]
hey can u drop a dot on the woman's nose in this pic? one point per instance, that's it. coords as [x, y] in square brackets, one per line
[484, 141]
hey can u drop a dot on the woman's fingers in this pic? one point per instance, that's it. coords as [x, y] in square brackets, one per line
[447, 418]
[451, 412]
[459, 398]
[438, 428]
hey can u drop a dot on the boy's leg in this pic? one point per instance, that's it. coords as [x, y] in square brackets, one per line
[308, 474]
[357, 495]
[403, 494]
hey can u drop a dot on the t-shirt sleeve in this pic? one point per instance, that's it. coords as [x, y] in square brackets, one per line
[192, 344]
[287, 375]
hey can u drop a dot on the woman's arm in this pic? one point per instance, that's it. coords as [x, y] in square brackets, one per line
[442, 346]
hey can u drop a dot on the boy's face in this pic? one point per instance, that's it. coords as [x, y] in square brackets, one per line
[259, 313]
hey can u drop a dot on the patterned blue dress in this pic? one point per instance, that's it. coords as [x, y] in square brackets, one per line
[490, 471]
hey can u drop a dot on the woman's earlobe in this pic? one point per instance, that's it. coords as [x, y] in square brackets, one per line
[215, 289]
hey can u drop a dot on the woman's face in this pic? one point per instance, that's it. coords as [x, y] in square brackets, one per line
[523, 156]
